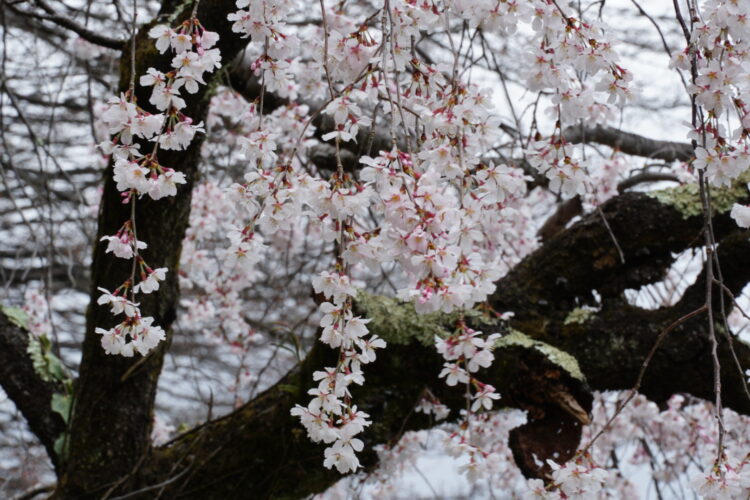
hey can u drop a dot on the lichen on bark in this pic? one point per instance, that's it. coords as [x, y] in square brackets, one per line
[579, 315]
[398, 322]
[555, 355]
[686, 198]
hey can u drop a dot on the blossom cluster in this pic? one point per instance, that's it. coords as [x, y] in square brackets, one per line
[37, 310]
[233, 231]
[264, 22]
[465, 353]
[431, 201]
[276, 192]
[430, 405]
[577, 478]
[718, 51]
[570, 54]
[724, 479]
[491, 436]
[444, 209]
[214, 276]
[671, 442]
[139, 174]
[330, 416]
[448, 241]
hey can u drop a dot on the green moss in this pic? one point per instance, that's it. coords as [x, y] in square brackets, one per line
[580, 315]
[555, 355]
[398, 323]
[686, 198]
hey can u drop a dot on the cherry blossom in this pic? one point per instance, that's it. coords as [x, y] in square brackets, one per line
[741, 215]
[139, 174]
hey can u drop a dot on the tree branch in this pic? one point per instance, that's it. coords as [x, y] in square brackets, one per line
[67, 23]
[25, 387]
[608, 348]
[262, 451]
[629, 143]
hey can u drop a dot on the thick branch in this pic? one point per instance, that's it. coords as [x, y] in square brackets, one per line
[562, 274]
[25, 387]
[220, 459]
[262, 451]
[565, 212]
[573, 207]
[612, 344]
[629, 143]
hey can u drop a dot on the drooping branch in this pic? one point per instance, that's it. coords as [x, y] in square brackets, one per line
[31, 394]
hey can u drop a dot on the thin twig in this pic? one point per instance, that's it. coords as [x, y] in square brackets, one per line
[641, 374]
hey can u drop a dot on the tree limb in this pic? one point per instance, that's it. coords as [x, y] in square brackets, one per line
[53, 16]
[609, 347]
[25, 387]
[629, 143]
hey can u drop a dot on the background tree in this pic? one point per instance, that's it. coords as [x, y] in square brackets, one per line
[574, 235]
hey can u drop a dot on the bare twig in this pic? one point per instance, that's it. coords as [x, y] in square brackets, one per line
[85, 33]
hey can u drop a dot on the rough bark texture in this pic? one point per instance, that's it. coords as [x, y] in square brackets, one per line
[262, 449]
[565, 212]
[611, 345]
[26, 388]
